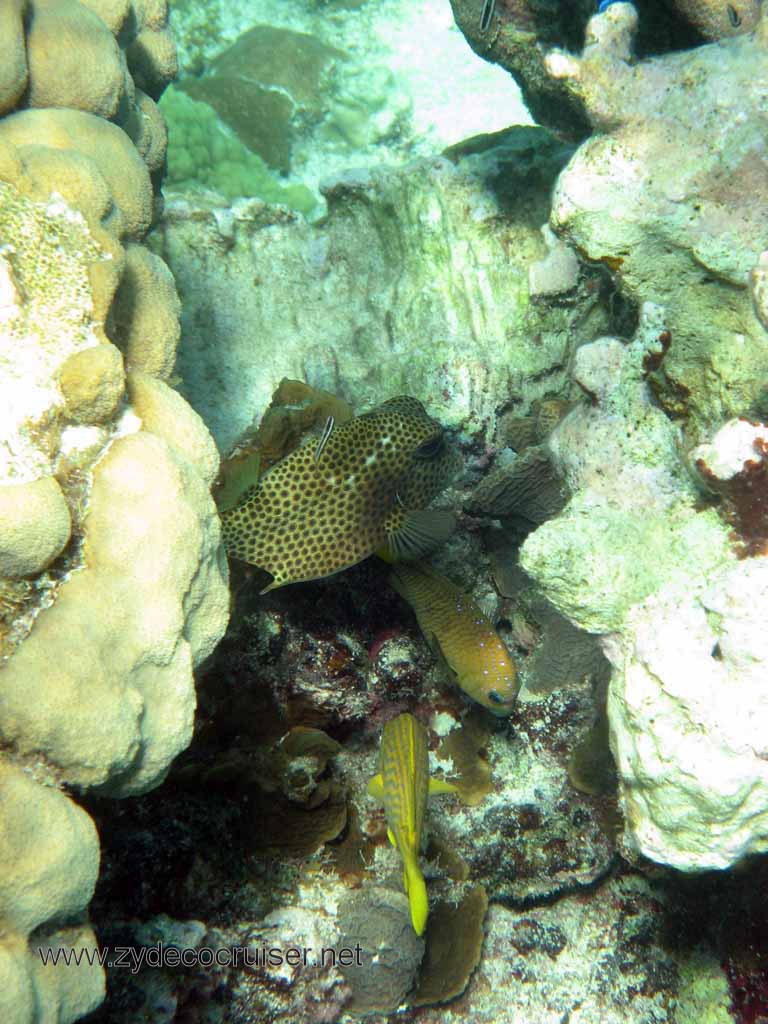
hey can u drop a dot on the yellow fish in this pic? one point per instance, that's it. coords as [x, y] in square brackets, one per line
[363, 485]
[402, 785]
[461, 635]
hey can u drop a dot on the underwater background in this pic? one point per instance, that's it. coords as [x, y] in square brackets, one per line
[383, 511]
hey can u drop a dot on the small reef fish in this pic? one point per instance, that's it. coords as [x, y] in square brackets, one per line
[330, 503]
[461, 635]
[486, 14]
[402, 785]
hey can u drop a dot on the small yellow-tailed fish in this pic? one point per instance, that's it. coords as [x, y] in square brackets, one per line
[461, 635]
[403, 784]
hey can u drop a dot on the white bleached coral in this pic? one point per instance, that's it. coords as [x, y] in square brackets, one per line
[689, 716]
[636, 557]
[667, 193]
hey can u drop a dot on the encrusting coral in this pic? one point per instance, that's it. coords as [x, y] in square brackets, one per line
[666, 193]
[638, 555]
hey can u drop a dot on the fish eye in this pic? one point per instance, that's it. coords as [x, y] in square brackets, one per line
[430, 449]
[733, 16]
[494, 697]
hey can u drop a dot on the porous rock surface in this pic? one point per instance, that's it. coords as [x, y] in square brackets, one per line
[113, 586]
[417, 283]
[666, 193]
[638, 557]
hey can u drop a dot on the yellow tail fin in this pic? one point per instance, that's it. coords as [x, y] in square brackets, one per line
[413, 882]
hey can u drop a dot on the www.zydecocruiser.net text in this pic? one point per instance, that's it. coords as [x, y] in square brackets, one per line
[159, 955]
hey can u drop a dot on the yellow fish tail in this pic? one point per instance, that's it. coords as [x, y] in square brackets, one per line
[415, 886]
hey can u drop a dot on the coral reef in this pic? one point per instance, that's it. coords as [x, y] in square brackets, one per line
[114, 585]
[638, 556]
[618, 932]
[666, 193]
[434, 252]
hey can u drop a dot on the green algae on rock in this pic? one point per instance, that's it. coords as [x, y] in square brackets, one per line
[665, 193]
[270, 82]
[203, 154]
[416, 282]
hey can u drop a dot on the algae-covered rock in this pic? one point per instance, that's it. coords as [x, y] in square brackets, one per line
[378, 920]
[416, 283]
[669, 194]
[633, 493]
[636, 554]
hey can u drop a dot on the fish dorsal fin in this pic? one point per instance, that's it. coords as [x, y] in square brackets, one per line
[441, 786]
[241, 478]
[376, 787]
[419, 532]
